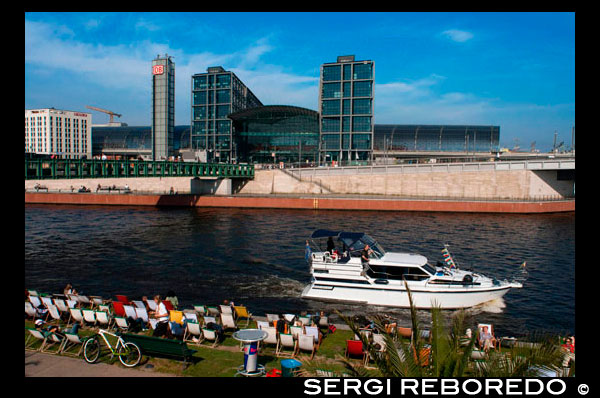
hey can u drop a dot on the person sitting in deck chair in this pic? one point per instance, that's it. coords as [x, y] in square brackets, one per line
[486, 340]
[162, 315]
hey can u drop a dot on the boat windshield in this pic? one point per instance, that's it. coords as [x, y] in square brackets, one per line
[429, 268]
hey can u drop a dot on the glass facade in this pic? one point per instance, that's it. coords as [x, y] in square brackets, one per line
[454, 138]
[346, 106]
[216, 94]
[276, 133]
[133, 141]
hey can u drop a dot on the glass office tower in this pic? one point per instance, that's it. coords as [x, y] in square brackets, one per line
[346, 93]
[216, 94]
[163, 107]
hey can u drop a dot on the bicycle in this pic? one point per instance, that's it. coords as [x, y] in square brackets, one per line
[129, 353]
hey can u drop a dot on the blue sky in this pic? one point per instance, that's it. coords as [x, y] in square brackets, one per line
[515, 70]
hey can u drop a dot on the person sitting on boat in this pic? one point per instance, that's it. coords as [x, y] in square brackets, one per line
[364, 258]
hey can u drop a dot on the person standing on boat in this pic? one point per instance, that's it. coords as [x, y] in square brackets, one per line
[330, 245]
[364, 259]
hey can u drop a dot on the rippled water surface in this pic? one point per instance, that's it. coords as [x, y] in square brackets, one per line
[256, 257]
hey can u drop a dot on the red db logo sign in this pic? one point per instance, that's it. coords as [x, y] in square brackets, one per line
[158, 69]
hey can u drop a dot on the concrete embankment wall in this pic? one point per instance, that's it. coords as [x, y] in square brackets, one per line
[487, 185]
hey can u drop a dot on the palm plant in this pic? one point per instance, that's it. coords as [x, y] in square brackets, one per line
[448, 353]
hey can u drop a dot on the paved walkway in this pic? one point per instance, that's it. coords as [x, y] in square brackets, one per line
[39, 364]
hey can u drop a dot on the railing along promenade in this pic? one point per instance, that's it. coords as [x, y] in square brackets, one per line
[505, 165]
[51, 169]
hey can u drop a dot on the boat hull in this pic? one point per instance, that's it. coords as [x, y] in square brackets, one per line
[390, 297]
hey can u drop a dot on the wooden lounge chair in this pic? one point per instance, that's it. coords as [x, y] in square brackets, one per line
[286, 341]
[272, 337]
[228, 322]
[193, 330]
[242, 312]
[210, 335]
[355, 348]
[307, 343]
[71, 340]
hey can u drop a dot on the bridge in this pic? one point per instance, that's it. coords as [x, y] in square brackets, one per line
[52, 169]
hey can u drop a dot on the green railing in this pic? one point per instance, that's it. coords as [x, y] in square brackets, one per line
[51, 169]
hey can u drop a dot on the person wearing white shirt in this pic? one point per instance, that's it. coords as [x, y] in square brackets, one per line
[162, 316]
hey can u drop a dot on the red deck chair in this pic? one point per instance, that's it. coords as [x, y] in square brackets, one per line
[123, 299]
[119, 309]
[168, 305]
[355, 348]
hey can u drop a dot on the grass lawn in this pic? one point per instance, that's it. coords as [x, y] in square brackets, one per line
[224, 360]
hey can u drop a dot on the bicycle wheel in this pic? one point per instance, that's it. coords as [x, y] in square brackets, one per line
[91, 350]
[129, 354]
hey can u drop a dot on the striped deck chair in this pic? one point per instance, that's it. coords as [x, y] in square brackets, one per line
[71, 340]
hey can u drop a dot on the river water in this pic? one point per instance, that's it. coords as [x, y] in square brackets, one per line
[255, 257]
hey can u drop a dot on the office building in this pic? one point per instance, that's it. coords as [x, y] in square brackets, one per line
[163, 107]
[216, 94]
[61, 133]
[346, 93]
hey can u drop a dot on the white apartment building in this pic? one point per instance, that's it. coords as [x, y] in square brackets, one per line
[66, 134]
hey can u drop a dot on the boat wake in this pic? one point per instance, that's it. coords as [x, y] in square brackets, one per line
[495, 306]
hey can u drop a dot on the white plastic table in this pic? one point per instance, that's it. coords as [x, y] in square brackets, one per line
[250, 339]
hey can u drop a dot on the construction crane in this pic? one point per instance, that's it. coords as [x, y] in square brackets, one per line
[105, 111]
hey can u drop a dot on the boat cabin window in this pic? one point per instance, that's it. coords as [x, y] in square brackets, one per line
[429, 268]
[397, 273]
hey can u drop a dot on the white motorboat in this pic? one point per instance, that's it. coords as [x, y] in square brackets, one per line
[339, 275]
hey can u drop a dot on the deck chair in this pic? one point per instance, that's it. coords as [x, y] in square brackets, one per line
[355, 348]
[290, 318]
[378, 341]
[305, 320]
[61, 305]
[168, 305]
[228, 322]
[84, 300]
[210, 335]
[323, 322]
[489, 344]
[47, 301]
[151, 305]
[271, 338]
[33, 292]
[103, 319]
[52, 339]
[193, 330]
[96, 301]
[71, 303]
[122, 298]
[153, 322]
[89, 316]
[138, 304]
[142, 314]
[190, 316]
[307, 343]
[54, 313]
[209, 319]
[313, 331]
[404, 332]
[104, 308]
[76, 315]
[200, 309]
[286, 341]
[242, 312]
[225, 309]
[30, 310]
[296, 331]
[130, 311]
[176, 316]
[262, 324]
[71, 340]
[272, 317]
[121, 323]
[35, 301]
[34, 336]
[119, 309]
[213, 311]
